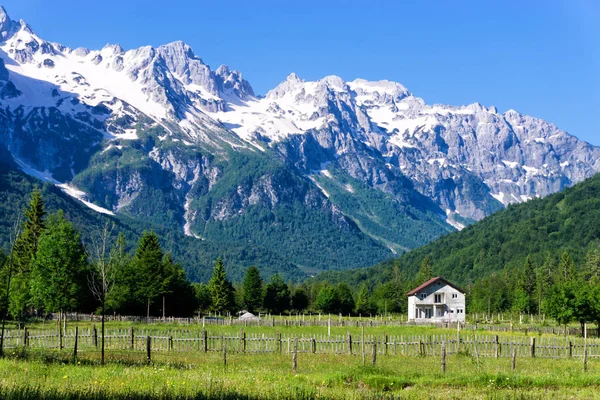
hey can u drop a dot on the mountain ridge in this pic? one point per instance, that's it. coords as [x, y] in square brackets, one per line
[155, 133]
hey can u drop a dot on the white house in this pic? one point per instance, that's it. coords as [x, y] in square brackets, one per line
[436, 300]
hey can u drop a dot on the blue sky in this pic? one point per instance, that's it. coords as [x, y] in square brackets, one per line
[539, 57]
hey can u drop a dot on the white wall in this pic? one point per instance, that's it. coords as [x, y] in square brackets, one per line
[451, 310]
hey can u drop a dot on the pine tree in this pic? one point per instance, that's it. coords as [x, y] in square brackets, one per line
[252, 290]
[591, 267]
[566, 267]
[277, 295]
[544, 280]
[180, 294]
[24, 253]
[363, 303]
[346, 299]
[525, 289]
[149, 273]
[221, 290]
[425, 273]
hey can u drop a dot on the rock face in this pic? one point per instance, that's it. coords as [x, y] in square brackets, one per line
[155, 133]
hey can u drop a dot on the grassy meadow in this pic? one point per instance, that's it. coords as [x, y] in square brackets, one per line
[53, 374]
[270, 376]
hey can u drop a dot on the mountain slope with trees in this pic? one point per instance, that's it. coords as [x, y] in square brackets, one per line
[197, 256]
[541, 228]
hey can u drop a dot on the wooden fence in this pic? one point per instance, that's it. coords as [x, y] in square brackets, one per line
[186, 341]
[336, 321]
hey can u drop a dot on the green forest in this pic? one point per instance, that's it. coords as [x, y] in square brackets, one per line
[542, 256]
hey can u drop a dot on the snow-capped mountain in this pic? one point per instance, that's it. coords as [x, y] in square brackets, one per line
[156, 133]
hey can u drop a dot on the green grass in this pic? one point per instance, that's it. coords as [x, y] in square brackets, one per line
[291, 329]
[52, 374]
[265, 376]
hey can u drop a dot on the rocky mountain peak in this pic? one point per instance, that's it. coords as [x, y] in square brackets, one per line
[379, 92]
[7, 26]
[232, 83]
[115, 49]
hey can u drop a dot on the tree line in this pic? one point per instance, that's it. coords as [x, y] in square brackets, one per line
[50, 269]
[559, 287]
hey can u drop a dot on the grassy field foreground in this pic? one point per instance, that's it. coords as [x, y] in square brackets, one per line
[269, 376]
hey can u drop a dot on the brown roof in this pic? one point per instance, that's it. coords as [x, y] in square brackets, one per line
[429, 282]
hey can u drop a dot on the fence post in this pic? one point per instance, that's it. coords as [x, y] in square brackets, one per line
[514, 359]
[95, 333]
[570, 349]
[295, 356]
[242, 341]
[205, 340]
[476, 354]
[585, 350]
[497, 345]
[532, 345]
[349, 340]
[25, 337]
[148, 349]
[385, 344]
[224, 354]
[170, 345]
[131, 338]
[444, 357]
[75, 345]
[363, 344]
[278, 339]
[374, 352]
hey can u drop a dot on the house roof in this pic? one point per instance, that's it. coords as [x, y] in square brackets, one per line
[431, 281]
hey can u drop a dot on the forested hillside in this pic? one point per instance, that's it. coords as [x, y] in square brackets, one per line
[196, 256]
[541, 228]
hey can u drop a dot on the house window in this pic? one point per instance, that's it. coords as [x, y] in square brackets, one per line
[437, 298]
[452, 311]
[455, 295]
[423, 295]
[460, 311]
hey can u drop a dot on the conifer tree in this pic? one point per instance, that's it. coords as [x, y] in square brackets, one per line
[425, 273]
[591, 267]
[363, 303]
[252, 288]
[346, 299]
[151, 279]
[566, 267]
[221, 290]
[544, 280]
[525, 289]
[179, 293]
[277, 295]
[24, 253]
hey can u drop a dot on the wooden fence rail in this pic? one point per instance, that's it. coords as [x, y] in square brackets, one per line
[493, 325]
[186, 341]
